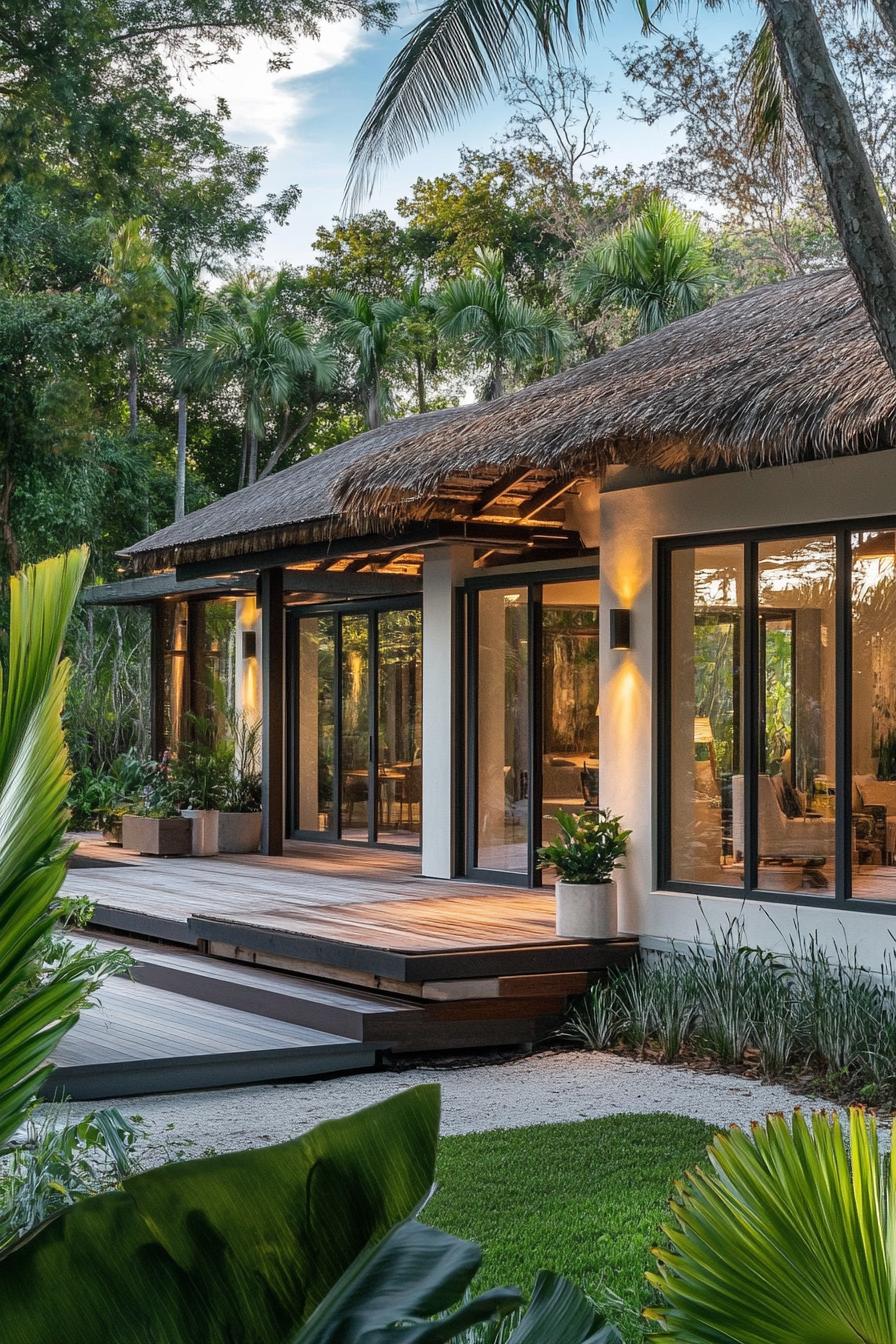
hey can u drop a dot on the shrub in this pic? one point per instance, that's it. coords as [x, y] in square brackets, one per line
[588, 849]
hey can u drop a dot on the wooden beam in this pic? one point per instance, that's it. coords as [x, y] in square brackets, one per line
[500, 487]
[338, 583]
[273, 819]
[547, 496]
[153, 586]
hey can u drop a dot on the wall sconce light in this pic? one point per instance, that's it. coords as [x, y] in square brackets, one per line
[249, 643]
[620, 628]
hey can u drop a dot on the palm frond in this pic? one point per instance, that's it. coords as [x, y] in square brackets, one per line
[770, 122]
[459, 53]
[35, 1011]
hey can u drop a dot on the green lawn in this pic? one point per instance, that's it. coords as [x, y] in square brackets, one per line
[585, 1199]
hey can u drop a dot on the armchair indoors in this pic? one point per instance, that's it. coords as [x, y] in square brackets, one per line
[805, 841]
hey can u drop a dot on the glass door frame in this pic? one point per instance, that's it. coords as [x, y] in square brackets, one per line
[369, 609]
[534, 585]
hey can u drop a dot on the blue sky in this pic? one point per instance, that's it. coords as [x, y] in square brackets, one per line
[308, 116]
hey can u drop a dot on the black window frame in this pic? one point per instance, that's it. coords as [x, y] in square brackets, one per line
[369, 608]
[839, 897]
[534, 583]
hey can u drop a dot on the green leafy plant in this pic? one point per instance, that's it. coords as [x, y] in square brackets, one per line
[57, 1164]
[312, 1242]
[202, 772]
[35, 1010]
[789, 1236]
[242, 789]
[589, 847]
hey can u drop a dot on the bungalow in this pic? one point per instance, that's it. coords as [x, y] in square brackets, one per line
[664, 580]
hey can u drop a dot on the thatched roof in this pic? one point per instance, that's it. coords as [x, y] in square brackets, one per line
[297, 504]
[784, 373]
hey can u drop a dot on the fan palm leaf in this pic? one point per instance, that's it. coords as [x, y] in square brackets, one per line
[790, 1235]
[35, 1012]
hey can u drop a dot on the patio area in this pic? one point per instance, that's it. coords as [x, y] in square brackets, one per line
[250, 968]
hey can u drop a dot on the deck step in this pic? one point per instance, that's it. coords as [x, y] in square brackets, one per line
[139, 1039]
[373, 1018]
[283, 997]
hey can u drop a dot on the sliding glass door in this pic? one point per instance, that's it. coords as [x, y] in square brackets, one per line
[356, 724]
[533, 725]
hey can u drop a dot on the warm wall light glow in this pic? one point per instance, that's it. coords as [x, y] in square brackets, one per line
[248, 697]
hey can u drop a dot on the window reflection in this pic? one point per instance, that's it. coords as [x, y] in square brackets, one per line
[502, 698]
[796, 799]
[873, 840]
[706, 783]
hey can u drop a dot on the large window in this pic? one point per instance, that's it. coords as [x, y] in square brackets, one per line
[778, 752]
[534, 717]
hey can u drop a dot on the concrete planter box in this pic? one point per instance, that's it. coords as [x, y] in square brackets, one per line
[586, 910]
[156, 835]
[205, 830]
[239, 832]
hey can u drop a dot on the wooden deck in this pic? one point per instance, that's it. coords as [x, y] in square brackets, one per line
[351, 943]
[136, 1039]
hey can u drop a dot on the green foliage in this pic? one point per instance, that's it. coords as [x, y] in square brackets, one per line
[313, 1240]
[589, 847]
[583, 1199]
[55, 1165]
[788, 1236]
[658, 266]
[501, 333]
[35, 1011]
[809, 1009]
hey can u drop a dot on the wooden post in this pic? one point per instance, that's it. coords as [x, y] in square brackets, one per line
[270, 600]
[157, 680]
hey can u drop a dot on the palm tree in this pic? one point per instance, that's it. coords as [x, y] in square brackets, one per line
[420, 335]
[189, 303]
[657, 265]
[251, 343]
[463, 50]
[132, 281]
[498, 329]
[367, 329]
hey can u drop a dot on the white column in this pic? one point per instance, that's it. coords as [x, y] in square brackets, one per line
[444, 571]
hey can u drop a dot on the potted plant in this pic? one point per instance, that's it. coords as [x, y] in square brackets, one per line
[154, 825]
[239, 823]
[200, 777]
[585, 853]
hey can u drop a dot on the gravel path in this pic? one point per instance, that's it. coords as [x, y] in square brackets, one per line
[537, 1089]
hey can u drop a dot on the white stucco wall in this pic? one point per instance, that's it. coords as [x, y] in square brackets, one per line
[630, 521]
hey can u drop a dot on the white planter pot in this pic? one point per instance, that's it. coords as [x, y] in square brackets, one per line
[239, 832]
[586, 910]
[205, 830]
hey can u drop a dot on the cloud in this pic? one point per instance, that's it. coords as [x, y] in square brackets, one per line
[265, 106]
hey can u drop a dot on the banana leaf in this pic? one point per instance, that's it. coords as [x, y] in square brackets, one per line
[391, 1292]
[35, 1012]
[238, 1249]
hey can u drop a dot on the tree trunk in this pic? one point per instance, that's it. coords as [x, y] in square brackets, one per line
[252, 472]
[496, 382]
[886, 12]
[421, 385]
[10, 544]
[180, 479]
[132, 387]
[833, 139]
[372, 407]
